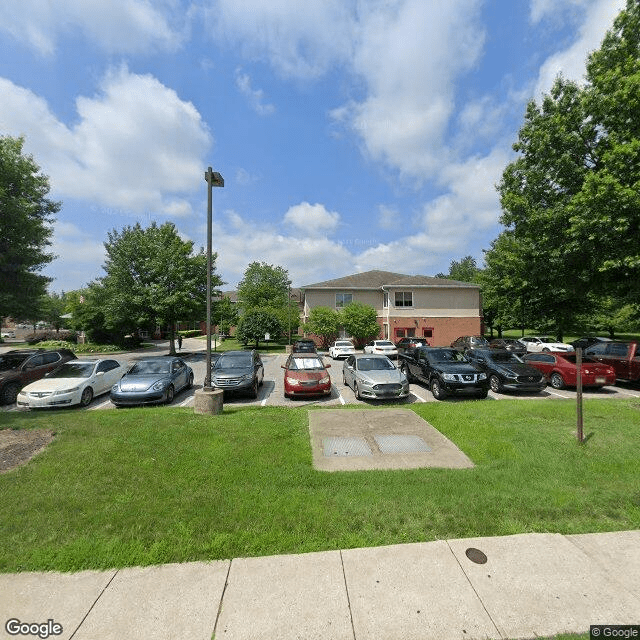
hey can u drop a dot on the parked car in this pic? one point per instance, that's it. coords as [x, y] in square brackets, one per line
[508, 344]
[20, 367]
[445, 371]
[341, 349]
[561, 370]
[410, 342]
[8, 333]
[624, 357]
[463, 343]
[382, 347]
[506, 371]
[238, 371]
[306, 345]
[152, 381]
[587, 341]
[75, 382]
[374, 376]
[536, 344]
[306, 375]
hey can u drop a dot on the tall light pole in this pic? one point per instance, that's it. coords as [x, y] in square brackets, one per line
[213, 179]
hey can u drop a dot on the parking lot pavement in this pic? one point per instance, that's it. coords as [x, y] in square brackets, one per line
[271, 393]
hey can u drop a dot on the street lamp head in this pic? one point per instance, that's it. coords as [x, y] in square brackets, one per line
[213, 178]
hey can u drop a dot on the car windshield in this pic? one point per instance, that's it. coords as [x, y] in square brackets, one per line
[374, 364]
[546, 340]
[73, 370]
[149, 367]
[11, 362]
[343, 343]
[445, 355]
[306, 364]
[504, 357]
[383, 343]
[240, 361]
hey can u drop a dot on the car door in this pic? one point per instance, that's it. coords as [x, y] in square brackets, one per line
[110, 370]
[33, 369]
[259, 368]
[423, 368]
[349, 370]
[178, 374]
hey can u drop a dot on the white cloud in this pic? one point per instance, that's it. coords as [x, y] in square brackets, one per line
[136, 145]
[299, 40]
[571, 62]
[312, 219]
[79, 258]
[255, 96]
[554, 9]
[388, 217]
[117, 26]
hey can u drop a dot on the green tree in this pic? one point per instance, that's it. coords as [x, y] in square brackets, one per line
[264, 286]
[224, 314]
[255, 324]
[153, 276]
[25, 230]
[325, 323]
[466, 270]
[360, 322]
[52, 307]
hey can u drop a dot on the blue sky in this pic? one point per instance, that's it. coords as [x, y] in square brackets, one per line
[351, 134]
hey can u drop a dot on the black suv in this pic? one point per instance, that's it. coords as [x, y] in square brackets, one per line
[238, 371]
[306, 345]
[19, 367]
[409, 342]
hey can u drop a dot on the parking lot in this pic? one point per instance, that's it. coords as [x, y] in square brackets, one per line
[271, 393]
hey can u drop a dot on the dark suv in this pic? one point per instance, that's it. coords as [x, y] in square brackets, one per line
[306, 345]
[238, 371]
[19, 367]
[469, 342]
[410, 342]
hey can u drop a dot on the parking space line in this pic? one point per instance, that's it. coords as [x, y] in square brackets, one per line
[264, 401]
[415, 395]
[626, 393]
[104, 403]
[558, 394]
[186, 401]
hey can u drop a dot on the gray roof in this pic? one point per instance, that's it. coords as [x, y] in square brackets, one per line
[378, 279]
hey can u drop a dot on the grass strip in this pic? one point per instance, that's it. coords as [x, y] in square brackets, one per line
[155, 485]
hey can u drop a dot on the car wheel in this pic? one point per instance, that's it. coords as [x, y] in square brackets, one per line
[170, 393]
[482, 395]
[190, 381]
[436, 389]
[495, 384]
[344, 380]
[253, 393]
[86, 397]
[356, 391]
[405, 369]
[10, 393]
[557, 381]
[545, 350]
[261, 378]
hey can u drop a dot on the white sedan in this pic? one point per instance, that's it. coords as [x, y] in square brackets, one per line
[382, 347]
[536, 344]
[74, 382]
[341, 349]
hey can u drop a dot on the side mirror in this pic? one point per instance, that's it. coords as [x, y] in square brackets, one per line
[100, 373]
[282, 366]
[327, 366]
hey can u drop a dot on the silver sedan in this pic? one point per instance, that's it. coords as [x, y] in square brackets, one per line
[374, 376]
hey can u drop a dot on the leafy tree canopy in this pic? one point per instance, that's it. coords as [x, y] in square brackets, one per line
[360, 321]
[264, 286]
[255, 324]
[325, 323]
[466, 270]
[25, 230]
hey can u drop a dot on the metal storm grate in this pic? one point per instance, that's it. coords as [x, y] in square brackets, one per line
[401, 444]
[345, 447]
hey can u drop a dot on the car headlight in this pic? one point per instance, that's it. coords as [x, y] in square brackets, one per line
[482, 376]
[115, 387]
[325, 380]
[159, 385]
[292, 381]
[59, 392]
[449, 376]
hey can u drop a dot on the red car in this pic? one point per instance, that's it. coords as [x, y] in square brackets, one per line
[306, 375]
[561, 371]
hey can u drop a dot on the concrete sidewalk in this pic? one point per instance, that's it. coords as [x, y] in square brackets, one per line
[530, 585]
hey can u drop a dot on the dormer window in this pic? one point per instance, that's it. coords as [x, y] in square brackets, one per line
[404, 299]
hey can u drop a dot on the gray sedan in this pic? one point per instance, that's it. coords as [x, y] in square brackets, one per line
[374, 376]
[152, 380]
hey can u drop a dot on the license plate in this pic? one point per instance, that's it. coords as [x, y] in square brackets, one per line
[600, 380]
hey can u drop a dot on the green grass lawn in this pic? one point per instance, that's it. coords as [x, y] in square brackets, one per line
[150, 486]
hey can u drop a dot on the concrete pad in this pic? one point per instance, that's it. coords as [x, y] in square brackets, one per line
[368, 424]
[162, 602]
[412, 591]
[617, 552]
[36, 597]
[286, 597]
[543, 584]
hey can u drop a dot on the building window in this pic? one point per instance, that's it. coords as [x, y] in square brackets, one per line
[343, 299]
[404, 299]
[385, 300]
[427, 333]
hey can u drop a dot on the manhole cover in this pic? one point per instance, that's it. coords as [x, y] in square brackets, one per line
[401, 444]
[475, 555]
[345, 447]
